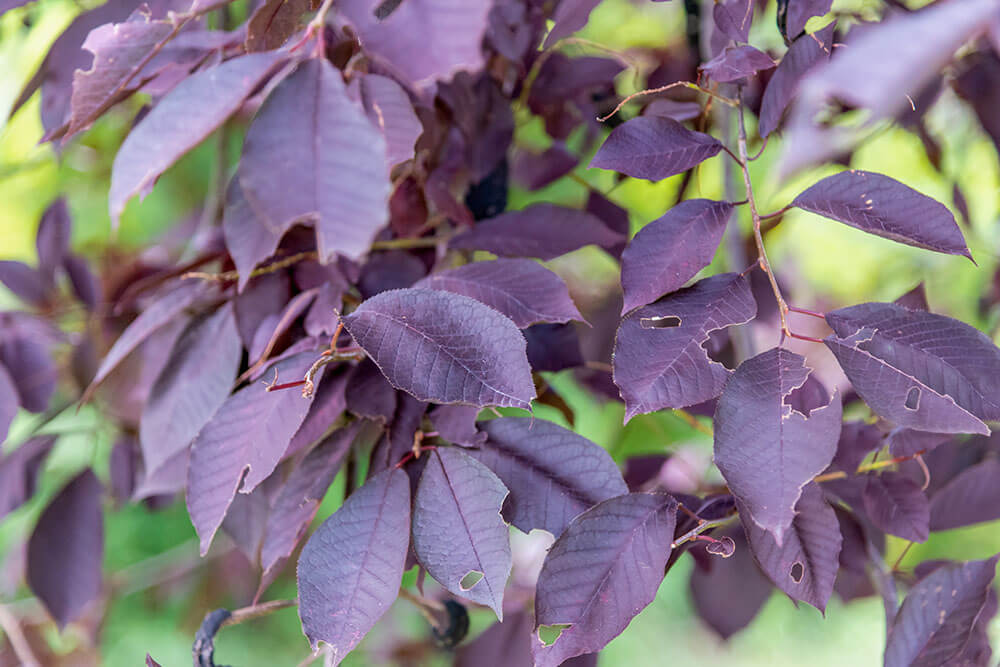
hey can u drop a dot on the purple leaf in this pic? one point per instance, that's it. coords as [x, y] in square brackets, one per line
[733, 18]
[9, 402]
[241, 445]
[882, 206]
[66, 549]
[52, 239]
[523, 290]
[553, 347]
[670, 250]
[503, 644]
[897, 505]
[569, 16]
[327, 406]
[937, 617]
[423, 40]
[19, 471]
[249, 240]
[797, 12]
[614, 218]
[397, 442]
[534, 171]
[369, 394]
[660, 360]
[907, 442]
[458, 530]
[86, 286]
[805, 565]
[602, 571]
[972, 496]
[654, 148]
[27, 283]
[390, 110]
[457, 424]
[31, 369]
[736, 63]
[395, 269]
[192, 386]
[264, 298]
[804, 54]
[273, 22]
[766, 450]
[350, 569]
[168, 479]
[553, 474]
[857, 440]
[181, 120]
[917, 369]
[335, 163]
[150, 662]
[545, 231]
[444, 347]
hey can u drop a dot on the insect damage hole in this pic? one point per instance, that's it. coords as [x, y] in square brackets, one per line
[548, 634]
[796, 572]
[912, 399]
[667, 322]
[470, 579]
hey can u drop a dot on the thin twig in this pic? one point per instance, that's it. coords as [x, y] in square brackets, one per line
[18, 642]
[256, 611]
[260, 271]
[895, 566]
[701, 528]
[867, 467]
[662, 89]
[693, 422]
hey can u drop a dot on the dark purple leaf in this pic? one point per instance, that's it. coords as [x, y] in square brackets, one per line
[457, 424]
[273, 22]
[670, 250]
[66, 549]
[52, 239]
[323, 316]
[917, 369]
[805, 564]
[503, 644]
[907, 442]
[915, 299]
[660, 360]
[614, 218]
[545, 231]
[124, 464]
[882, 206]
[766, 450]
[602, 571]
[733, 18]
[9, 402]
[973, 496]
[327, 406]
[569, 16]
[166, 480]
[444, 347]
[335, 163]
[897, 505]
[384, 271]
[804, 54]
[242, 443]
[553, 474]
[246, 518]
[523, 290]
[32, 370]
[390, 110]
[553, 347]
[800, 11]
[736, 63]
[19, 471]
[808, 396]
[937, 617]
[271, 330]
[192, 386]
[350, 569]
[458, 530]
[249, 240]
[369, 394]
[397, 443]
[857, 440]
[150, 662]
[181, 120]
[534, 171]
[654, 148]
[27, 283]
[264, 298]
[86, 286]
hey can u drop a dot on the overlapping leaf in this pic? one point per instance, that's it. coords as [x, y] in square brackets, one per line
[32, 370]
[53, 237]
[793, 14]
[654, 148]
[569, 16]
[736, 63]
[19, 472]
[804, 54]
[9, 402]
[444, 347]
[972, 496]
[896, 504]
[248, 238]
[659, 359]
[390, 110]
[273, 22]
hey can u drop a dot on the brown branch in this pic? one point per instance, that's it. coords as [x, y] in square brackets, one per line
[669, 86]
[257, 611]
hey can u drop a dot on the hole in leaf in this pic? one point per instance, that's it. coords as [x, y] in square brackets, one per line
[470, 579]
[548, 634]
[668, 322]
[912, 398]
[724, 547]
[797, 572]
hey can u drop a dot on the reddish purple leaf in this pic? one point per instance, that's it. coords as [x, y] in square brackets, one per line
[569, 16]
[241, 445]
[335, 163]
[733, 18]
[553, 474]
[805, 565]
[804, 54]
[766, 450]
[897, 505]
[458, 530]
[31, 369]
[444, 347]
[545, 231]
[9, 402]
[273, 22]
[19, 471]
[66, 549]
[972, 496]
[670, 250]
[523, 290]
[882, 206]
[602, 571]
[27, 283]
[920, 370]
[192, 386]
[937, 617]
[390, 110]
[736, 63]
[52, 239]
[350, 569]
[797, 12]
[249, 240]
[654, 148]
[181, 120]
[660, 360]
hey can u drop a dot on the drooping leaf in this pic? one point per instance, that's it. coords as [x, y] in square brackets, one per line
[670, 250]
[805, 564]
[857, 440]
[390, 110]
[85, 285]
[9, 402]
[659, 359]
[553, 474]
[52, 239]
[569, 16]
[805, 53]
[937, 617]
[19, 471]
[502, 644]
[733, 18]
[181, 120]
[369, 394]
[26, 282]
[328, 405]
[273, 22]
[736, 63]
[654, 148]
[897, 505]
[908, 442]
[766, 450]
[523, 290]
[882, 206]
[972, 496]
[920, 370]
[66, 549]
[350, 569]
[248, 238]
[192, 386]
[397, 443]
[241, 444]
[457, 424]
[534, 170]
[458, 530]
[553, 347]
[796, 12]
[335, 163]
[31, 369]
[444, 347]
[602, 571]
[545, 231]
